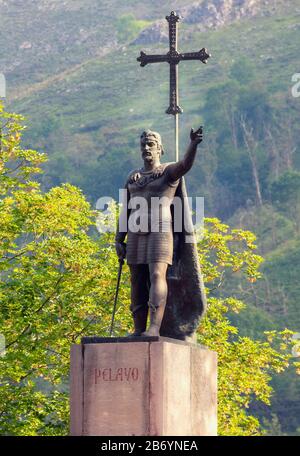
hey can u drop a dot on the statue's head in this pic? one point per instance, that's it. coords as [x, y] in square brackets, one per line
[151, 145]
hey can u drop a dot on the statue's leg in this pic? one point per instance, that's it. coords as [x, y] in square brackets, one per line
[140, 283]
[158, 296]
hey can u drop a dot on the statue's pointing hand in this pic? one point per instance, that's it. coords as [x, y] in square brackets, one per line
[197, 136]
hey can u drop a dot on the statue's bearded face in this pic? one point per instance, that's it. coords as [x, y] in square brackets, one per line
[150, 149]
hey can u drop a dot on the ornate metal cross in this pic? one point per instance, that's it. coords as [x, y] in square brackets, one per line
[173, 57]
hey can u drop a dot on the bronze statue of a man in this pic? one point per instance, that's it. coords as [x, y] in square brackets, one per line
[152, 246]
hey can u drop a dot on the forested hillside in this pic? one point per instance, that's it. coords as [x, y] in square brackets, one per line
[71, 69]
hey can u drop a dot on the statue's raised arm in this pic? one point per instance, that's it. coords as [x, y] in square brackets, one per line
[177, 170]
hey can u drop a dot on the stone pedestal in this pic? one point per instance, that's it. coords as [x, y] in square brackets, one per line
[152, 387]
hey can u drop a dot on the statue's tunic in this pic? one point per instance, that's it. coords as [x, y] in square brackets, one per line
[150, 239]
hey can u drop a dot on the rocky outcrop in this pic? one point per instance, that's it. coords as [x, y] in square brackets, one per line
[156, 33]
[215, 13]
[205, 15]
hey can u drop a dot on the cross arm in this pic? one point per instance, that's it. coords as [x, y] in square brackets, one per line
[201, 55]
[144, 59]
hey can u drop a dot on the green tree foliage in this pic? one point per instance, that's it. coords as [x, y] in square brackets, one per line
[57, 283]
[286, 196]
[248, 129]
[245, 365]
[54, 281]
[242, 71]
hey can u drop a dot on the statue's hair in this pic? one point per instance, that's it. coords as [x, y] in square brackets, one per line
[153, 134]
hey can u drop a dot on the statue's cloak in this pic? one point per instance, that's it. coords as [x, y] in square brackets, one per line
[186, 302]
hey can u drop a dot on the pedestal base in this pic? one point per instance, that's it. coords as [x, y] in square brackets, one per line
[157, 387]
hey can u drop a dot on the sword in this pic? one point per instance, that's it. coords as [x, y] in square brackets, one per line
[121, 262]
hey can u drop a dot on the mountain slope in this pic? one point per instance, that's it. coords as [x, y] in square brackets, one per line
[71, 69]
[101, 103]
